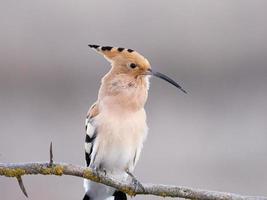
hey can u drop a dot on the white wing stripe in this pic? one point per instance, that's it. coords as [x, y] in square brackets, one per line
[90, 129]
[87, 147]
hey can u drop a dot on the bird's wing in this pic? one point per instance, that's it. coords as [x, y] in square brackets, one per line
[91, 132]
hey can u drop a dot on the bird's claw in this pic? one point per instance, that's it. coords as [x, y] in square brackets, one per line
[137, 184]
[99, 171]
[104, 171]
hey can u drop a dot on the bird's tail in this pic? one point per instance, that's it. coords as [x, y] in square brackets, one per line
[97, 191]
[86, 197]
[118, 195]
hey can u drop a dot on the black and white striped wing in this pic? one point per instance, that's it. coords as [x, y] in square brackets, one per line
[89, 139]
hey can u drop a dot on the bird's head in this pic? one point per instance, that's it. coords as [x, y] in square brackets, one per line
[130, 62]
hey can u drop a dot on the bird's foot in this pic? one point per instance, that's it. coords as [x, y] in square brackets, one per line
[137, 184]
[99, 170]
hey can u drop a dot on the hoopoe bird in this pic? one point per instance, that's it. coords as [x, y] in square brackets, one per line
[116, 123]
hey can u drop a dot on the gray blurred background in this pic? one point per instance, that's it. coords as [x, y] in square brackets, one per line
[213, 138]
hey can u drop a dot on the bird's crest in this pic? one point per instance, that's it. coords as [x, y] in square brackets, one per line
[106, 49]
[120, 54]
[111, 52]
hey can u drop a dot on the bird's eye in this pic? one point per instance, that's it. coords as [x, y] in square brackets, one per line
[132, 65]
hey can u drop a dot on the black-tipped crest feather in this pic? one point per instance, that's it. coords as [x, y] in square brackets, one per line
[109, 48]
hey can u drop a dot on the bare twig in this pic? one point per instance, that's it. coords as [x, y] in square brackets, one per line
[20, 169]
[21, 185]
[51, 155]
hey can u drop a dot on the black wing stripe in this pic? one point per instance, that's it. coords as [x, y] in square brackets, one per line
[88, 155]
[87, 158]
[89, 139]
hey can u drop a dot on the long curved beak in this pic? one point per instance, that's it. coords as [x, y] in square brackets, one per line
[166, 78]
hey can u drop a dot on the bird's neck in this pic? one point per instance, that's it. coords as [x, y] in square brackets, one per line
[122, 92]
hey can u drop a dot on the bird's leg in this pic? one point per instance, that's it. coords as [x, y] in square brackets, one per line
[102, 169]
[99, 169]
[135, 182]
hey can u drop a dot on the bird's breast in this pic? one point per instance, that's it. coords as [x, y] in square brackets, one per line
[123, 92]
[119, 138]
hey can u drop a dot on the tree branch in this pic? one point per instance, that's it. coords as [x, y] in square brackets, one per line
[17, 170]
[45, 168]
